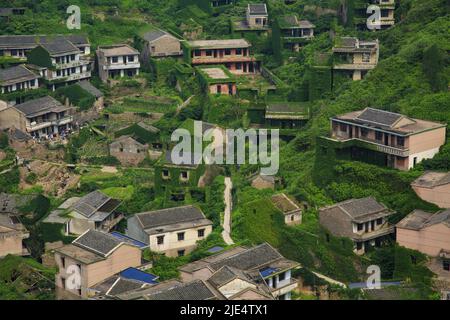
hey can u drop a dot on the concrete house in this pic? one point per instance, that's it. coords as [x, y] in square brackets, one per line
[217, 80]
[386, 138]
[40, 118]
[18, 46]
[159, 43]
[234, 54]
[174, 232]
[94, 256]
[365, 221]
[241, 273]
[117, 61]
[60, 62]
[12, 234]
[355, 57]
[257, 16]
[291, 210]
[94, 211]
[433, 187]
[294, 32]
[128, 151]
[18, 78]
[286, 115]
[429, 233]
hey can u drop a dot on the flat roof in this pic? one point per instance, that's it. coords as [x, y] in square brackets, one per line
[219, 44]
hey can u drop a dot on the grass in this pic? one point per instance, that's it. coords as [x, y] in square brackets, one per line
[120, 193]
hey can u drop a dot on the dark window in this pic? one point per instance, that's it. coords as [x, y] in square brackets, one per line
[239, 51]
[327, 237]
[282, 276]
[180, 236]
[181, 253]
[160, 240]
[343, 127]
[209, 53]
[360, 226]
[184, 174]
[384, 13]
[359, 245]
[378, 136]
[165, 173]
[115, 59]
[364, 132]
[292, 218]
[197, 53]
[379, 221]
[401, 141]
[63, 262]
[413, 260]
[201, 233]
[227, 52]
[446, 265]
[239, 66]
[131, 58]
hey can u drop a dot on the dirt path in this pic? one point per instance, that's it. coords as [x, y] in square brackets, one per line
[226, 234]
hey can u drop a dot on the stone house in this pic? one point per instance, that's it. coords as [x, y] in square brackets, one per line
[364, 221]
[174, 232]
[12, 234]
[128, 151]
[292, 211]
[88, 260]
[159, 43]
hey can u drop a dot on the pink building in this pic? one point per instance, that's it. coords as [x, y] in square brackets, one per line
[387, 138]
[434, 187]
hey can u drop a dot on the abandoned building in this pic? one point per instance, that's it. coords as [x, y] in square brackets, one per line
[364, 221]
[385, 138]
[174, 232]
[18, 78]
[433, 187]
[117, 61]
[292, 211]
[159, 43]
[217, 80]
[128, 151]
[294, 33]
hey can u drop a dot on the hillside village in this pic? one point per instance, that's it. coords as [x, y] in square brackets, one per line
[90, 188]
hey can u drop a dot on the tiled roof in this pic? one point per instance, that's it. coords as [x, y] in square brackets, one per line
[154, 34]
[40, 106]
[170, 216]
[94, 202]
[225, 275]
[31, 41]
[59, 46]
[98, 242]
[415, 220]
[87, 86]
[117, 50]
[361, 207]
[17, 72]
[195, 290]
[257, 9]
[252, 258]
[378, 116]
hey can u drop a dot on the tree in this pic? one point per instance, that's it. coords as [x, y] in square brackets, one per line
[432, 64]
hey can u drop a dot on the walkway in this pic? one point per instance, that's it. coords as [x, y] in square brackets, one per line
[226, 234]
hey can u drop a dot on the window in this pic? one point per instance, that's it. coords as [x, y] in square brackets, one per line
[197, 53]
[366, 57]
[360, 226]
[378, 136]
[63, 262]
[181, 253]
[292, 218]
[165, 173]
[180, 236]
[14, 52]
[239, 51]
[359, 246]
[238, 66]
[379, 221]
[115, 59]
[282, 276]
[384, 13]
[208, 53]
[184, 175]
[72, 57]
[364, 132]
[401, 141]
[327, 237]
[415, 161]
[131, 58]
[227, 52]
[343, 127]
[160, 240]
[446, 265]
[201, 233]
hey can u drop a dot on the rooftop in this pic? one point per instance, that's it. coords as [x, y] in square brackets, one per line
[195, 290]
[219, 44]
[293, 22]
[387, 120]
[284, 203]
[95, 202]
[117, 50]
[172, 219]
[31, 41]
[432, 179]
[97, 242]
[40, 106]
[58, 46]
[227, 274]
[87, 86]
[155, 34]
[359, 209]
[16, 74]
[257, 9]
[419, 219]
[351, 44]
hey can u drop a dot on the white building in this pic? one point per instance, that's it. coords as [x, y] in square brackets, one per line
[117, 61]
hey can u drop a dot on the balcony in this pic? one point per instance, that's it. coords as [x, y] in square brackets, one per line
[222, 59]
[122, 66]
[72, 64]
[284, 287]
[368, 144]
[354, 66]
[375, 234]
[109, 224]
[62, 121]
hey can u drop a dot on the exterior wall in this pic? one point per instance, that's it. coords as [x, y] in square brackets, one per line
[135, 231]
[426, 145]
[172, 245]
[24, 85]
[234, 287]
[164, 46]
[128, 154]
[10, 245]
[121, 67]
[251, 21]
[10, 117]
[124, 257]
[440, 195]
[293, 219]
[225, 89]
[429, 241]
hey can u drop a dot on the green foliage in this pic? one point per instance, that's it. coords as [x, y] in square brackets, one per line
[433, 59]
[77, 96]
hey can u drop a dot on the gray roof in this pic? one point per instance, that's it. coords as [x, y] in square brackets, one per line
[415, 220]
[95, 202]
[87, 86]
[100, 243]
[154, 34]
[378, 116]
[78, 39]
[169, 216]
[227, 274]
[10, 203]
[40, 106]
[59, 46]
[255, 257]
[257, 9]
[195, 290]
[361, 207]
[348, 42]
[31, 41]
[117, 285]
[16, 73]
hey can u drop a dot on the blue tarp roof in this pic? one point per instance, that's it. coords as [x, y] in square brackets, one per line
[267, 272]
[132, 241]
[136, 274]
[215, 249]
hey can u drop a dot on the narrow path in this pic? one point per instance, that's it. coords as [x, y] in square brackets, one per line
[226, 234]
[329, 280]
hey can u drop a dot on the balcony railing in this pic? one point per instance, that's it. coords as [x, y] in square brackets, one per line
[284, 287]
[375, 234]
[373, 145]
